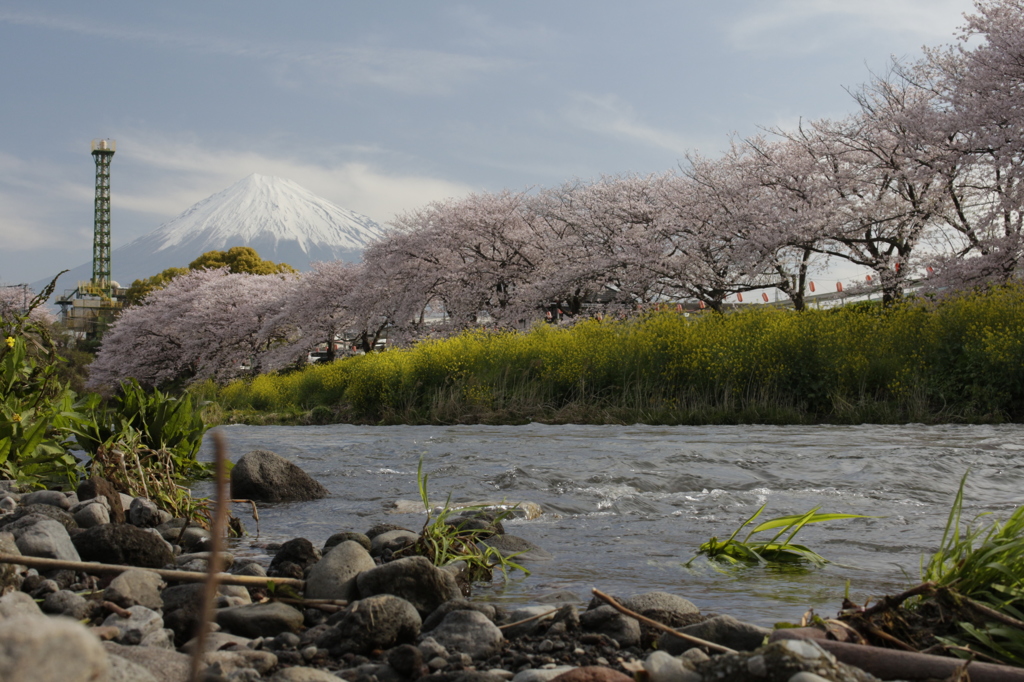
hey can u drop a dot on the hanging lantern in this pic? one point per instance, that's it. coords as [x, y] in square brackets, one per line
[701, 304]
[868, 279]
[679, 307]
[931, 270]
[739, 297]
[897, 267]
[765, 297]
[839, 287]
[812, 287]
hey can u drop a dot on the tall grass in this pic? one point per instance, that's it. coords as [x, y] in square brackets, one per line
[959, 360]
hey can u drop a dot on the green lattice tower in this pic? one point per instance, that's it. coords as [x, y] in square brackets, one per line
[102, 153]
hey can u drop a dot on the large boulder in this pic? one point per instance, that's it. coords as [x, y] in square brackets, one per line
[50, 649]
[265, 476]
[378, 622]
[121, 543]
[414, 579]
[45, 538]
[334, 576]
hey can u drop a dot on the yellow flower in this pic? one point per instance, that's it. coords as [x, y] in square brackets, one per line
[17, 417]
[10, 342]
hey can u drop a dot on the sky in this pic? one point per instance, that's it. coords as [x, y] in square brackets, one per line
[383, 107]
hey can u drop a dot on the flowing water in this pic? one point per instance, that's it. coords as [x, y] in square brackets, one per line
[624, 507]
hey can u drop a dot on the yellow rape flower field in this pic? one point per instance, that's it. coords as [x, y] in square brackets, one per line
[960, 360]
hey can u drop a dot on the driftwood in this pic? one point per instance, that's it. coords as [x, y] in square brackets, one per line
[660, 626]
[168, 575]
[890, 664]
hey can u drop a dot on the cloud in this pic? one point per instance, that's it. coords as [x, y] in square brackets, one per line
[27, 193]
[801, 26]
[181, 172]
[389, 67]
[610, 115]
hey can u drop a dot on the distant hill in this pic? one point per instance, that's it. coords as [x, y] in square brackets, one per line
[283, 221]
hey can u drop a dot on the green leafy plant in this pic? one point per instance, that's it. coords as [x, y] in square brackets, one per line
[777, 550]
[153, 420]
[37, 412]
[979, 570]
[446, 543]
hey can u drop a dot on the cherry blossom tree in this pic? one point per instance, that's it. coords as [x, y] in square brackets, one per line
[204, 324]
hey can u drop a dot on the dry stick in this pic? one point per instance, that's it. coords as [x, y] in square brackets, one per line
[213, 564]
[895, 641]
[527, 620]
[660, 626]
[170, 576]
[989, 612]
[886, 603]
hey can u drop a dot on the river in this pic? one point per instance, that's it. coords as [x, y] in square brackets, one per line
[624, 507]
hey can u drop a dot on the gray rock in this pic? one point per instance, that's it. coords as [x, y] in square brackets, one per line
[53, 498]
[541, 675]
[334, 576]
[378, 622]
[227, 662]
[468, 632]
[45, 510]
[50, 649]
[663, 667]
[216, 641]
[8, 504]
[141, 623]
[79, 506]
[516, 548]
[136, 587]
[529, 627]
[667, 609]
[339, 538]
[92, 514]
[67, 603]
[144, 513]
[48, 539]
[607, 621]
[724, 630]
[260, 620]
[121, 543]
[15, 604]
[781, 660]
[251, 568]
[438, 614]
[267, 477]
[414, 579]
[393, 540]
[161, 639]
[302, 674]
[10, 574]
[164, 665]
[193, 538]
[123, 670]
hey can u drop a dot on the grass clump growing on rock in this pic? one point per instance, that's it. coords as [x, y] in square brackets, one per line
[446, 540]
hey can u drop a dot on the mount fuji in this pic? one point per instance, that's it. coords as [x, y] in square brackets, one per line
[283, 221]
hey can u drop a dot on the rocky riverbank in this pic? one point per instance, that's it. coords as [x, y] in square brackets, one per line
[357, 608]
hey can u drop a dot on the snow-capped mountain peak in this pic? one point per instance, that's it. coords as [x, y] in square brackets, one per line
[260, 207]
[283, 221]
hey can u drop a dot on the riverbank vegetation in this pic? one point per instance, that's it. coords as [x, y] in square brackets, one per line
[957, 360]
[142, 441]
